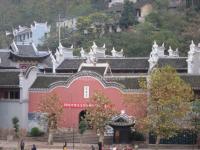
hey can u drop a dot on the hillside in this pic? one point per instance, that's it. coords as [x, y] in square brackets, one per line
[175, 28]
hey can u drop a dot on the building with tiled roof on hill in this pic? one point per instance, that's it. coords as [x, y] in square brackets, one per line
[36, 33]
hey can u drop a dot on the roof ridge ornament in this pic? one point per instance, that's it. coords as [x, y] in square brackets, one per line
[52, 57]
[15, 47]
[170, 51]
[113, 50]
[94, 45]
[82, 52]
[192, 46]
[104, 45]
[155, 45]
[35, 48]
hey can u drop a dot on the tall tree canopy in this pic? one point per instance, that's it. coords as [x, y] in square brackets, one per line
[127, 18]
[54, 109]
[168, 104]
[100, 114]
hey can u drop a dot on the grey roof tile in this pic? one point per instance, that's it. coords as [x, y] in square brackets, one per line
[45, 81]
[127, 82]
[193, 80]
[178, 63]
[126, 63]
[9, 78]
[27, 51]
[99, 70]
[71, 64]
[5, 61]
[115, 63]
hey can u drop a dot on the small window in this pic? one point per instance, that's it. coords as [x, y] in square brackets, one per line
[11, 94]
[6, 95]
[30, 34]
[86, 92]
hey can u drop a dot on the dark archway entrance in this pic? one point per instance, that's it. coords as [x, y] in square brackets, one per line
[82, 115]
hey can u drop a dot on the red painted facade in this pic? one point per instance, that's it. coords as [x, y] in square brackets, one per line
[73, 94]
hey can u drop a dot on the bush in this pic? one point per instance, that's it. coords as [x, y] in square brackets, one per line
[137, 136]
[36, 132]
[15, 122]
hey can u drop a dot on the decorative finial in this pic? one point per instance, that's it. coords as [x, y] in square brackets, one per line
[104, 45]
[94, 45]
[60, 45]
[192, 43]
[155, 45]
[192, 46]
[82, 50]
[57, 52]
[91, 52]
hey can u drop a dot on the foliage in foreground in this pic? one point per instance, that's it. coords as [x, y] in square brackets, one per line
[52, 106]
[100, 113]
[169, 103]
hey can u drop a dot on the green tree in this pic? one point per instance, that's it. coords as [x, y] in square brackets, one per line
[83, 126]
[100, 113]
[15, 122]
[168, 104]
[83, 23]
[127, 18]
[196, 117]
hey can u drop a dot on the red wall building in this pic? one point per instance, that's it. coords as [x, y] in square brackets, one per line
[71, 93]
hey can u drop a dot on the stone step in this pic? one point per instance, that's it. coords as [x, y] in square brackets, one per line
[88, 137]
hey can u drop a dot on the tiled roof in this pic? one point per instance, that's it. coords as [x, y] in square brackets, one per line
[115, 63]
[45, 81]
[126, 63]
[193, 80]
[99, 70]
[122, 120]
[9, 78]
[47, 63]
[178, 63]
[71, 63]
[5, 61]
[127, 82]
[27, 51]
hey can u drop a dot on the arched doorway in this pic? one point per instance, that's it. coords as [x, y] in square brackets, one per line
[82, 115]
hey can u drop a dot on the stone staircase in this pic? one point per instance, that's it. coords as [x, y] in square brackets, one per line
[89, 137]
[74, 137]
